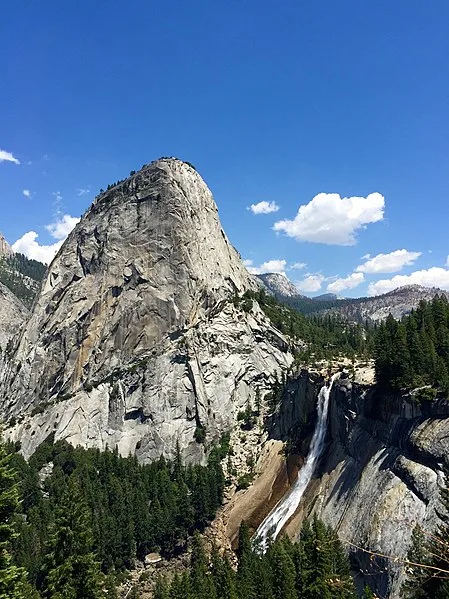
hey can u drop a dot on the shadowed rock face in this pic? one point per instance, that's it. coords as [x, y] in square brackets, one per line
[379, 475]
[132, 341]
[13, 314]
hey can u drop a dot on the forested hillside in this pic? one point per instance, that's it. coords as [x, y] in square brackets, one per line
[101, 511]
[326, 336]
[22, 276]
[316, 567]
[415, 351]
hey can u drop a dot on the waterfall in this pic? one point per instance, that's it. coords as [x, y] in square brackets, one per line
[274, 522]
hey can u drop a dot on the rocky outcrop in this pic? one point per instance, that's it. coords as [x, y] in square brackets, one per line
[12, 316]
[398, 303]
[133, 341]
[191, 383]
[379, 475]
[279, 285]
[5, 248]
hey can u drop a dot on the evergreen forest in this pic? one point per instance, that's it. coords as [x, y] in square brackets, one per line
[316, 567]
[22, 276]
[326, 336]
[71, 511]
[415, 351]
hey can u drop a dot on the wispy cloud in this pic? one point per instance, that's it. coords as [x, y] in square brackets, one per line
[269, 266]
[310, 283]
[297, 266]
[432, 277]
[350, 282]
[392, 262]
[8, 157]
[28, 244]
[27, 193]
[263, 207]
[82, 191]
[333, 220]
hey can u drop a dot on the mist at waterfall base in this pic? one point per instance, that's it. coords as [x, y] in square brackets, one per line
[274, 522]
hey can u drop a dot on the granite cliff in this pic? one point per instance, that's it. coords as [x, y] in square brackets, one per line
[13, 315]
[5, 248]
[379, 475]
[134, 341]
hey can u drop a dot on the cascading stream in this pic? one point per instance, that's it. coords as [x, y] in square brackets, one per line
[273, 523]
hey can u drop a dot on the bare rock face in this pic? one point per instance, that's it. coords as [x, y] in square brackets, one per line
[381, 475]
[5, 248]
[398, 303]
[133, 341]
[278, 284]
[12, 316]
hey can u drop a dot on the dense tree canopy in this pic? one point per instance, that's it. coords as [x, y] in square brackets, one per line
[415, 351]
[22, 276]
[94, 512]
[326, 335]
[316, 567]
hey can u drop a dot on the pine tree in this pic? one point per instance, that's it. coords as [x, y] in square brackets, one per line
[202, 583]
[245, 571]
[223, 575]
[162, 590]
[367, 593]
[71, 570]
[13, 583]
[284, 575]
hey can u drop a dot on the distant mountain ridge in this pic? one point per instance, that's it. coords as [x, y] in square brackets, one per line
[398, 302]
[278, 284]
[328, 297]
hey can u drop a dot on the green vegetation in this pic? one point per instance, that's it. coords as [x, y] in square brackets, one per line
[327, 336]
[94, 513]
[12, 578]
[314, 568]
[415, 351]
[132, 173]
[22, 276]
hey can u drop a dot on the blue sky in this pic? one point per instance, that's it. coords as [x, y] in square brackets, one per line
[294, 104]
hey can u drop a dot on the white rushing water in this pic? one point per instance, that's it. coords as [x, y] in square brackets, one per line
[274, 522]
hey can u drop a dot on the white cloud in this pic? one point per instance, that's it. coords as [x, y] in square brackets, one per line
[269, 266]
[8, 157]
[432, 277]
[27, 193]
[447, 261]
[62, 227]
[349, 282]
[264, 207]
[310, 283]
[297, 266]
[82, 191]
[29, 245]
[392, 262]
[333, 220]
